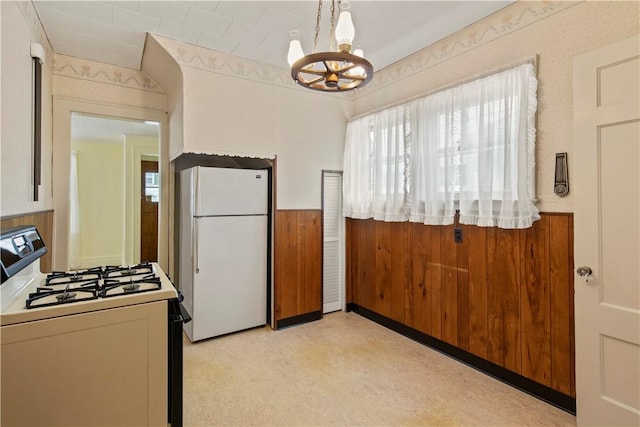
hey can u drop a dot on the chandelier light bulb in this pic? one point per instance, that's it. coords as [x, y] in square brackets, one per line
[358, 71]
[345, 31]
[330, 71]
[295, 48]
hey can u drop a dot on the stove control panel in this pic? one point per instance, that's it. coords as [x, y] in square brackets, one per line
[19, 247]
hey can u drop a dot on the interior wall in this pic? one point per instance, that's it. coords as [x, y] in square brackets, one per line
[554, 31]
[156, 61]
[101, 196]
[17, 33]
[239, 107]
[504, 296]
[80, 85]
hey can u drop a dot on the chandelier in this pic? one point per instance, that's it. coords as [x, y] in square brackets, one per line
[337, 70]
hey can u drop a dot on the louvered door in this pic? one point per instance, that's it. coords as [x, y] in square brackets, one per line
[333, 238]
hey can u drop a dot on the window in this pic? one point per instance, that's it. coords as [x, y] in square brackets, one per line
[469, 147]
[152, 186]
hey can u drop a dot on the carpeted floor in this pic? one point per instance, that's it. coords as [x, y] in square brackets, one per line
[345, 370]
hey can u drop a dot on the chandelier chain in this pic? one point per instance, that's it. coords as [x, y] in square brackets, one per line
[332, 31]
[315, 39]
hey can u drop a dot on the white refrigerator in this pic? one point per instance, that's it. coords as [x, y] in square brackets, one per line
[224, 227]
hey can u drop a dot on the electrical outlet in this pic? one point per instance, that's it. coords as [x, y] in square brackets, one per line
[457, 235]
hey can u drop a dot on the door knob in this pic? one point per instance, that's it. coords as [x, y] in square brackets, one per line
[585, 272]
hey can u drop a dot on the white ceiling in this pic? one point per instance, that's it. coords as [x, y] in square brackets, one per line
[107, 129]
[113, 32]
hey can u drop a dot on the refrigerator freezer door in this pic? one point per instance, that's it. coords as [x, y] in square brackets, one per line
[221, 191]
[230, 288]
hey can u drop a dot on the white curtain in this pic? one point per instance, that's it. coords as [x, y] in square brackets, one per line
[357, 186]
[470, 147]
[74, 214]
[375, 172]
[434, 159]
[498, 145]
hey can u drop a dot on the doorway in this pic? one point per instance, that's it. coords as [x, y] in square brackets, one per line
[105, 191]
[332, 242]
[149, 198]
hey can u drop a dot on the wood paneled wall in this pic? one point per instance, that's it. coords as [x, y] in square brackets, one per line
[503, 295]
[298, 263]
[43, 220]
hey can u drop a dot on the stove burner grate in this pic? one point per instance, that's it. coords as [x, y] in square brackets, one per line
[62, 277]
[127, 270]
[45, 297]
[147, 283]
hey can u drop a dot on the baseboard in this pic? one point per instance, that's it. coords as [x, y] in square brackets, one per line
[299, 319]
[540, 391]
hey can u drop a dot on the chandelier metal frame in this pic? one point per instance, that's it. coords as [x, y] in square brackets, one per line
[332, 71]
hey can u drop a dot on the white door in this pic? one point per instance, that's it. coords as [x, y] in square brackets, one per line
[607, 234]
[333, 242]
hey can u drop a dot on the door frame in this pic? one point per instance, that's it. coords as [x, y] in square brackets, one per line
[595, 319]
[63, 107]
[342, 273]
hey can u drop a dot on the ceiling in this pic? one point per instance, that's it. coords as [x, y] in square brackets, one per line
[113, 32]
[107, 129]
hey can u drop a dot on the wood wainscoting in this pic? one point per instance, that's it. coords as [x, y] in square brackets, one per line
[500, 296]
[43, 221]
[298, 266]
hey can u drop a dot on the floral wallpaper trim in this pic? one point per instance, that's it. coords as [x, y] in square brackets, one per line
[192, 56]
[236, 67]
[505, 21]
[85, 69]
[201, 58]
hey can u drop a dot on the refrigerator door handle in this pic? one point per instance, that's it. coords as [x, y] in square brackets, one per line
[194, 226]
[196, 189]
[194, 233]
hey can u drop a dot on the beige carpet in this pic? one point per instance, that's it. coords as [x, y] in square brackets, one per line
[345, 370]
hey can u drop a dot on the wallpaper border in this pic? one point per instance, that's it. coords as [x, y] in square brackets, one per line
[505, 21]
[509, 19]
[86, 69]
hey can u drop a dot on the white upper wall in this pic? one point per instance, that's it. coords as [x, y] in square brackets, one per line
[238, 107]
[246, 108]
[554, 31]
[16, 152]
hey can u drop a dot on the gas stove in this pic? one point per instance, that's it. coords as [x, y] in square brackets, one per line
[83, 319]
[66, 287]
[26, 294]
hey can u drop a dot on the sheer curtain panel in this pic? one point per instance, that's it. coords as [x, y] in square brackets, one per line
[497, 147]
[470, 147]
[375, 166]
